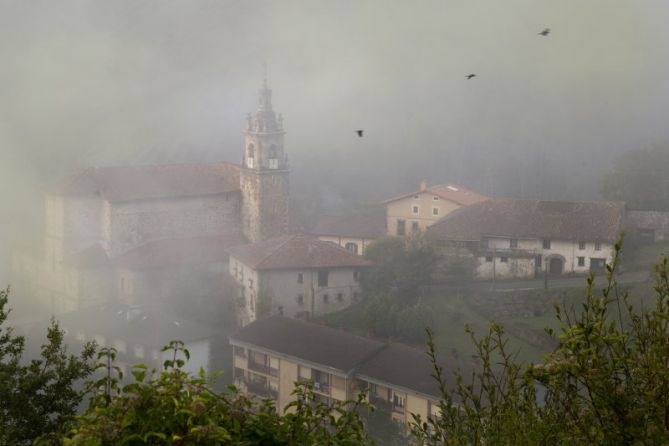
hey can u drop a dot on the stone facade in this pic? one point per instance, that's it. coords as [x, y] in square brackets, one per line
[264, 174]
[126, 208]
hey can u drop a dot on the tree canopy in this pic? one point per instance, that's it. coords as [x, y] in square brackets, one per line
[639, 178]
[37, 396]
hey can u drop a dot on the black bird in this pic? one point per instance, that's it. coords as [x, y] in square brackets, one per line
[545, 32]
[469, 76]
[359, 132]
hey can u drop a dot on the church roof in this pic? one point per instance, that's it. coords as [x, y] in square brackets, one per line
[357, 226]
[583, 221]
[452, 192]
[131, 183]
[179, 251]
[296, 251]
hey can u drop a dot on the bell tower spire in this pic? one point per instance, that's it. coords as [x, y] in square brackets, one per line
[264, 171]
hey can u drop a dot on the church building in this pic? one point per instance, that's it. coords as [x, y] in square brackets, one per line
[124, 232]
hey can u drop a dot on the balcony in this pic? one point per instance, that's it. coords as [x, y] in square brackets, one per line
[264, 369]
[261, 390]
[321, 387]
[381, 404]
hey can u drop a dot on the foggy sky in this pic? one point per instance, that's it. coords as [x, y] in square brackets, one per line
[98, 82]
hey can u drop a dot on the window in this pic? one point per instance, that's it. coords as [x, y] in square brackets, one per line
[340, 297]
[581, 261]
[280, 310]
[414, 210]
[353, 247]
[513, 243]
[547, 244]
[538, 261]
[435, 198]
[488, 259]
[398, 400]
[503, 259]
[250, 156]
[415, 197]
[414, 226]
[300, 278]
[435, 211]
[401, 227]
[300, 299]
[322, 278]
[326, 298]
[598, 246]
[250, 284]
[581, 245]
[273, 161]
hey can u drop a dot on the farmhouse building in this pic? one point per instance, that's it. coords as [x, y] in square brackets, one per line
[523, 238]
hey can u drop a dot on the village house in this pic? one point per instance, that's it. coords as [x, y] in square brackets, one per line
[525, 238]
[416, 211]
[138, 333]
[118, 226]
[294, 275]
[353, 232]
[270, 355]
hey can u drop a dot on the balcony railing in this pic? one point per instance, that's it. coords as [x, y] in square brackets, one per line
[262, 368]
[262, 390]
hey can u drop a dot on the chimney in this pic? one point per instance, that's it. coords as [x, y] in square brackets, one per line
[423, 185]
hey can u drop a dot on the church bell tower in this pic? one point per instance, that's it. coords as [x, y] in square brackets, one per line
[264, 172]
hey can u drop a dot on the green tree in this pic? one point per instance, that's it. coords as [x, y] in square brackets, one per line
[639, 178]
[605, 383]
[37, 396]
[172, 408]
[402, 266]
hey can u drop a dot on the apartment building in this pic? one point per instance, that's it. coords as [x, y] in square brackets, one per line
[270, 355]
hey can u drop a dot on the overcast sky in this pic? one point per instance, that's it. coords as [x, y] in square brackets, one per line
[109, 82]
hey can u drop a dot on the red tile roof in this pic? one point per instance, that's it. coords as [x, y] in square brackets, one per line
[582, 221]
[179, 251]
[129, 183]
[296, 251]
[357, 226]
[452, 192]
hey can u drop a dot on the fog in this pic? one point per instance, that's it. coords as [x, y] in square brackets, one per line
[90, 83]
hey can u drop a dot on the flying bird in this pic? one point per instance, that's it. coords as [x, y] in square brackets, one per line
[469, 76]
[545, 32]
[359, 132]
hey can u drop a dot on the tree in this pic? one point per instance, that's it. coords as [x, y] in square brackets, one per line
[402, 266]
[38, 397]
[604, 384]
[172, 408]
[639, 179]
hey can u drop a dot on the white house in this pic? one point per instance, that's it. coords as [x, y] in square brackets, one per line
[524, 238]
[294, 275]
[353, 232]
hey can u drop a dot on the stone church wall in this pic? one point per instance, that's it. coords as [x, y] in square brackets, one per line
[135, 223]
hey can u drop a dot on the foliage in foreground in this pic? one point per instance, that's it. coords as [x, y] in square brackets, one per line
[173, 408]
[39, 396]
[606, 383]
